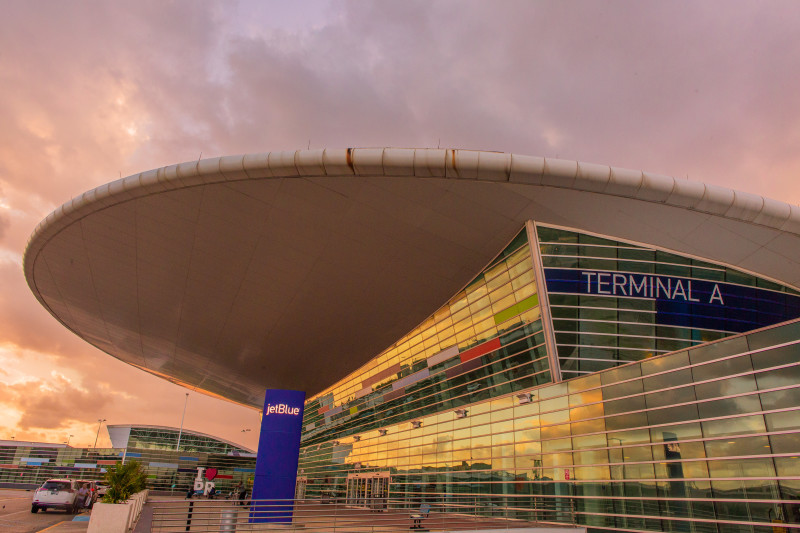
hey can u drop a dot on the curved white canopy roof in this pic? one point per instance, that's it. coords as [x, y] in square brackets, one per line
[291, 269]
[119, 434]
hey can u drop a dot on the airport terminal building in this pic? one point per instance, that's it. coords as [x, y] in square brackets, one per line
[563, 341]
[170, 466]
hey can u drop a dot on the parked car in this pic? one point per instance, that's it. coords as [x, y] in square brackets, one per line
[92, 486]
[101, 488]
[56, 494]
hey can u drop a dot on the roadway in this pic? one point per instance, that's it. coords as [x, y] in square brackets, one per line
[16, 516]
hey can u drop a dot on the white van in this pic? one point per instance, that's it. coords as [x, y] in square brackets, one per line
[56, 494]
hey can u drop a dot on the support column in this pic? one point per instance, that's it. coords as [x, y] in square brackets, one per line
[544, 303]
[278, 455]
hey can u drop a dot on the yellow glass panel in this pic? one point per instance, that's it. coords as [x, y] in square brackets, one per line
[556, 417]
[476, 292]
[503, 302]
[591, 458]
[588, 411]
[528, 462]
[527, 423]
[465, 335]
[587, 473]
[583, 384]
[527, 409]
[458, 303]
[554, 404]
[521, 274]
[588, 426]
[524, 292]
[550, 460]
[589, 441]
[552, 432]
[578, 400]
[501, 408]
[486, 328]
[446, 336]
[495, 271]
[481, 454]
[506, 426]
[500, 439]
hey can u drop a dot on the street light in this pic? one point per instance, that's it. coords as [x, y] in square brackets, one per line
[180, 433]
[99, 423]
[70, 437]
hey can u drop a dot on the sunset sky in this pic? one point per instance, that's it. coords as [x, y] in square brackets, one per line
[92, 91]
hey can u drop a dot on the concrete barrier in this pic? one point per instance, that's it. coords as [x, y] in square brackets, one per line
[117, 517]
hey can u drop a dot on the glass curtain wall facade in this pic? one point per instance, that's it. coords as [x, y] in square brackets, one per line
[163, 438]
[673, 437]
[167, 471]
[613, 302]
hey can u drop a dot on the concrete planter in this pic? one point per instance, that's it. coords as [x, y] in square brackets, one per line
[110, 518]
[117, 517]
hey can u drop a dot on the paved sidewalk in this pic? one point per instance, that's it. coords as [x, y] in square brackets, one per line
[67, 526]
[145, 518]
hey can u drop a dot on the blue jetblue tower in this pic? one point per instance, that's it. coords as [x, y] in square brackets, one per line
[278, 453]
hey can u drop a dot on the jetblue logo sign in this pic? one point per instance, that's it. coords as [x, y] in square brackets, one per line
[644, 286]
[280, 409]
[278, 453]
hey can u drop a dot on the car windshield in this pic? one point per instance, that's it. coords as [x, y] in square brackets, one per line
[56, 485]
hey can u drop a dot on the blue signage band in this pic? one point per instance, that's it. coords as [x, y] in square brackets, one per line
[685, 302]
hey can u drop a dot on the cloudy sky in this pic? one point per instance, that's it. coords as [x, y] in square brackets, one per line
[91, 91]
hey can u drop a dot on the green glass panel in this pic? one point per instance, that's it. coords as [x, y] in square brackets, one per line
[516, 309]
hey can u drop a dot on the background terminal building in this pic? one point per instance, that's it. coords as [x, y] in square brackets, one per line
[170, 466]
[566, 341]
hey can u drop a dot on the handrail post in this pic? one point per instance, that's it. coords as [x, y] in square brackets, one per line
[189, 516]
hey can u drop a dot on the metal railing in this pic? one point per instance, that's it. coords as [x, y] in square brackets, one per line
[369, 515]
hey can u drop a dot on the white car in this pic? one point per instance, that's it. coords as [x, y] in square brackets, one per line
[56, 494]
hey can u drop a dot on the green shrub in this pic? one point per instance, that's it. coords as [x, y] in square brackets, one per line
[124, 480]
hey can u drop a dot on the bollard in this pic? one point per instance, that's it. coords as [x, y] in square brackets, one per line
[228, 521]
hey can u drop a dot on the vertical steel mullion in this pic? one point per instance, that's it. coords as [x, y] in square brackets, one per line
[544, 302]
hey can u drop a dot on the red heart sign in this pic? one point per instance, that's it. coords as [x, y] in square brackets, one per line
[211, 473]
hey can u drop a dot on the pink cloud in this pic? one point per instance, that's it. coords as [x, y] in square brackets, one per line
[93, 91]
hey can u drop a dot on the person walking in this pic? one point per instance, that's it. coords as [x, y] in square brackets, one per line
[83, 494]
[241, 492]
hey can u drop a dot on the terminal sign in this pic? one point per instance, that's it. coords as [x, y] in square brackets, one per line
[644, 286]
[681, 301]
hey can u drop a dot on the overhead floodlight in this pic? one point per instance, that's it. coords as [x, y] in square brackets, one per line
[461, 413]
[416, 424]
[525, 397]
[383, 432]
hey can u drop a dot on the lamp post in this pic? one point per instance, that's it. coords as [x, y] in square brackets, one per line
[69, 438]
[180, 432]
[99, 424]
